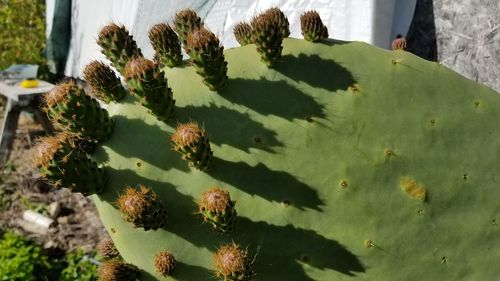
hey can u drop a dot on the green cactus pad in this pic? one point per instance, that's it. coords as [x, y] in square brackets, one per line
[317, 153]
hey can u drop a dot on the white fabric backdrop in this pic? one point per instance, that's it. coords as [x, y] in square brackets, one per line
[372, 21]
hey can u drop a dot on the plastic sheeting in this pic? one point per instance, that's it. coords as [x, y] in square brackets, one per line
[372, 21]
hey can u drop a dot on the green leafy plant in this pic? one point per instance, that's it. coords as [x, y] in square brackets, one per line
[79, 267]
[22, 36]
[324, 160]
[23, 260]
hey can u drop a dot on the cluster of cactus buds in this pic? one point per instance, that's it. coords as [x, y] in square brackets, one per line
[312, 26]
[142, 207]
[64, 164]
[118, 45]
[217, 208]
[233, 263]
[192, 142]
[67, 103]
[104, 82]
[166, 45]
[148, 82]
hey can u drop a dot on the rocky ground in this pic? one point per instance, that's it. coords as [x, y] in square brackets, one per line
[464, 35]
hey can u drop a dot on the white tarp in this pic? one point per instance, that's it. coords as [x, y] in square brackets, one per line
[372, 21]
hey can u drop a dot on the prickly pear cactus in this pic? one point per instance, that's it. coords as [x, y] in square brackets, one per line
[343, 162]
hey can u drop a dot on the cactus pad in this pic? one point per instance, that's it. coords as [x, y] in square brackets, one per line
[347, 162]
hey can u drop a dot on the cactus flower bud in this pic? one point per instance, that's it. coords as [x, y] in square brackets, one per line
[233, 263]
[207, 57]
[164, 263]
[148, 82]
[243, 33]
[114, 270]
[142, 207]
[312, 27]
[192, 142]
[117, 45]
[103, 82]
[217, 208]
[166, 45]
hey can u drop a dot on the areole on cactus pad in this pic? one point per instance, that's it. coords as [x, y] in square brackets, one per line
[343, 162]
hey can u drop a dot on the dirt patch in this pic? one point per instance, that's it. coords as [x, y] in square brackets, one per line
[76, 226]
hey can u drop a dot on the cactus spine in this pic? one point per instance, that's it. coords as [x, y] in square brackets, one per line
[117, 45]
[148, 82]
[166, 45]
[207, 57]
[103, 82]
